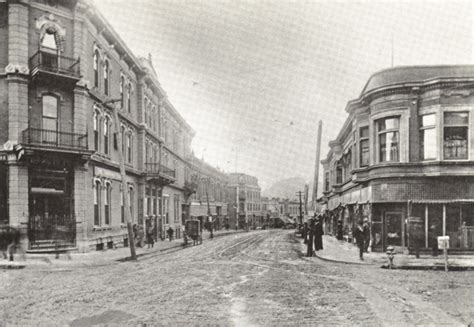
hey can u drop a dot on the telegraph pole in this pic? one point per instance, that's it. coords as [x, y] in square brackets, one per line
[126, 199]
[211, 223]
[316, 166]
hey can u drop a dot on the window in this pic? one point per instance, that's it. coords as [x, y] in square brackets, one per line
[50, 119]
[124, 142]
[339, 172]
[428, 137]
[106, 77]
[364, 146]
[96, 131]
[106, 134]
[49, 41]
[145, 108]
[147, 201]
[107, 199]
[122, 84]
[387, 130]
[166, 209]
[176, 208]
[129, 98]
[326, 181]
[456, 132]
[131, 199]
[347, 164]
[96, 68]
[155, 198]
[97, 203]
[129, 148]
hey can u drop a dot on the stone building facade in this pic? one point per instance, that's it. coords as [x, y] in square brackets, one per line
[404, 159]
[245, 201]
[63, 70]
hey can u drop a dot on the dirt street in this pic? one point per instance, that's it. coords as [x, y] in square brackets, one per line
[249, 279]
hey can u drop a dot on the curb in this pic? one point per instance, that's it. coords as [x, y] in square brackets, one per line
[12, 265]
[432, 268]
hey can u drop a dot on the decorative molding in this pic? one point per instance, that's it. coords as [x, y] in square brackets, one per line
[17, 68]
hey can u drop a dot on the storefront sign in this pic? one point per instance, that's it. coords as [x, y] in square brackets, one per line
[102, 172]
[443, 242]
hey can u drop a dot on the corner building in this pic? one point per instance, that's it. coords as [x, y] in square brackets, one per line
[62, 71]
[404, 159]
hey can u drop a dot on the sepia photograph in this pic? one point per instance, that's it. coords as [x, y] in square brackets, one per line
[236, 163]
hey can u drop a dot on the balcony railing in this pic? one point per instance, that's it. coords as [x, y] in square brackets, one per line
[54, 139]
[54, 63]
[156, 168]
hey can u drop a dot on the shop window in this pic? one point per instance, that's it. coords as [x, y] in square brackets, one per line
[96, 65]
[428, 137]
[107, 199]
[364, 146]
[456, 133]
[388, 139]
[97, 203]
[166, 209]
[176, 208]
[148, 201]
[155, 200]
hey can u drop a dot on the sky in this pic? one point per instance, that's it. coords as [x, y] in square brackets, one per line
[253, 78]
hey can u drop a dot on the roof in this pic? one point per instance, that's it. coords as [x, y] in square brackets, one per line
[416, 74]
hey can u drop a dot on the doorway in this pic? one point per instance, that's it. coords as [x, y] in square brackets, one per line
[394, 229]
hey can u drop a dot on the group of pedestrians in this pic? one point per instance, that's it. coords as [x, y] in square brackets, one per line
[313, 235]
[148, 234]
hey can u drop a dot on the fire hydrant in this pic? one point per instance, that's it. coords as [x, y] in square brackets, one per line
[390, 254]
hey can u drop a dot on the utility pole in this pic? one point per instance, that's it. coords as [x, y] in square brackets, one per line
[126, 199]
[316, 166]
[299, 193]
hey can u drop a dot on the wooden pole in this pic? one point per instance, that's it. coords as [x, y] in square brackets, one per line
[126, 200]
[316, 165]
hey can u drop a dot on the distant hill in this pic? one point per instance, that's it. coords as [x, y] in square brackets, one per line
[285, 188]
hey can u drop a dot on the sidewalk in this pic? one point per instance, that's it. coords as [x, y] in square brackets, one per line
[343, 252]
[100, 258]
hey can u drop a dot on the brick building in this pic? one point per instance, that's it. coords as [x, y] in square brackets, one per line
[209, 188]
[404, 159]
[62, 70]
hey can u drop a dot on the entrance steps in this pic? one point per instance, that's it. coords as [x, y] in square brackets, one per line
[51, 246]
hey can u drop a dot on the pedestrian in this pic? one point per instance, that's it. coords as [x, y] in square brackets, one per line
[318, 234]
[339, 234]
[309, 250]
[359, 236]
[149, 234]
[366, 227]
[170, 232]
[433, 240]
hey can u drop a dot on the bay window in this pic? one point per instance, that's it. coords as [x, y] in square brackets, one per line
[455, 137]
[388, 139]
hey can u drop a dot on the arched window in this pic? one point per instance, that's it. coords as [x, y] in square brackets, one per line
[49, 41]
[106, 77]
[145, 106]
[122, 85]
[129, 98]
[50, 119]
[106, 134]
[96, 130]
[107, 203]
[97, 203]
[124, 141]
[96, 68]
[129, 147]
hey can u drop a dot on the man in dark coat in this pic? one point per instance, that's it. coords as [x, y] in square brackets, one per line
[359, 236]
[318, 234]
[309, 251]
